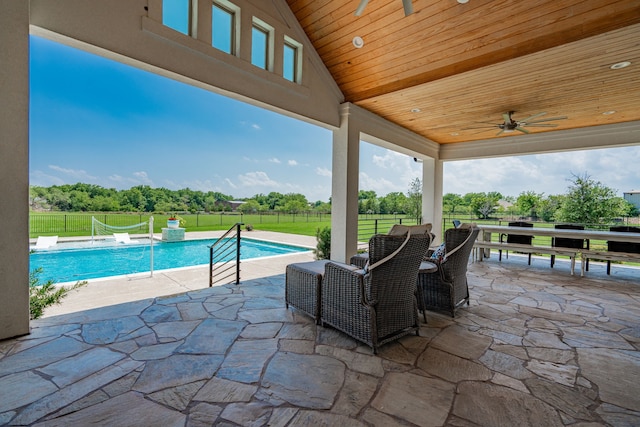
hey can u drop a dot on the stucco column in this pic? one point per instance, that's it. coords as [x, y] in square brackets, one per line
[344, 190]
[432, 195]
[14, 168]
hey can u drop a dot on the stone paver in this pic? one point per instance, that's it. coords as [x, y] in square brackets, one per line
[537, 347]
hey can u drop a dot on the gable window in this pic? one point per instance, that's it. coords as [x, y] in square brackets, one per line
[259, 47]
[176, 14]
[292, 65]
[223, 26]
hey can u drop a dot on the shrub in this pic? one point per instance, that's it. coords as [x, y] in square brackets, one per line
[323, 247]
[43, 295]
[248, 227]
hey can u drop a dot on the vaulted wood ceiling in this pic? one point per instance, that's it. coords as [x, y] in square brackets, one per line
[464, 65]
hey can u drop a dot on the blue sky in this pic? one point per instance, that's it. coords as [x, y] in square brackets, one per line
[98, 121]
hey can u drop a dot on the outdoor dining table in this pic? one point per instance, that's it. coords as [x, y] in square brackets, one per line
[616, 236]
[605, 235]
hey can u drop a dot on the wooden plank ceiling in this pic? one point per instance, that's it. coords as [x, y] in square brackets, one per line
[464, 65]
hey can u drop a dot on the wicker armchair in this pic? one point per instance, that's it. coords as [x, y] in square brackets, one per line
[377, 305]
[447, 288]
[362, 259]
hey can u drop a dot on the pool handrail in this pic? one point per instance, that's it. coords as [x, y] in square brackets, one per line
[220, 249]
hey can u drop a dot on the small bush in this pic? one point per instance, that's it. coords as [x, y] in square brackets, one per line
[43, 295]
[323, 247]
[248, 227]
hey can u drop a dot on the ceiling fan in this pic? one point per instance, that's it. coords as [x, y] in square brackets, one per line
[511, 125]
[408, 7]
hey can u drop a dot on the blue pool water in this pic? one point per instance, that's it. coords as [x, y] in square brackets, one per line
[69, 264]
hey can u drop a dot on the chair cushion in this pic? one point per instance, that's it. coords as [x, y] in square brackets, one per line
[401, 229]
[439, 253]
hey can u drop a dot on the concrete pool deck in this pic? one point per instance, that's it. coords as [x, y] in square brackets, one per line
[117, 290]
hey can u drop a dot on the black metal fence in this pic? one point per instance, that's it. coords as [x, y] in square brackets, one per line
[80, 223]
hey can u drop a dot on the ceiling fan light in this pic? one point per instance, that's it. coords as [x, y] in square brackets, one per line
[358, 42]
[463, 1]
[607, 113]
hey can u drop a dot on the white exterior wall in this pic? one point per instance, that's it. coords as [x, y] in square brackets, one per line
[14, 170]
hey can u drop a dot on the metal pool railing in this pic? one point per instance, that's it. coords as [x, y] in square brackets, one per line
[221, 259]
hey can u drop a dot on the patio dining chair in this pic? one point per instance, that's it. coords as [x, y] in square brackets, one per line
[516, 238]
[377, 304]
[564, 242]
[629, 247]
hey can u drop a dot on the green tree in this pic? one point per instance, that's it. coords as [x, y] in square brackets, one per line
[414, 199]
[293, 203]
[322, 207]
[589, 202]
[451, 201]
[483, 204]
[548, 207]
[250, 206]
[392, 203]
[527, 203]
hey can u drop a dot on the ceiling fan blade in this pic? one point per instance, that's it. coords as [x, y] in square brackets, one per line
[532, 117]
[361, 6]
[408, 7]
[482, 131]
[507, 117]
[500, 133]
[549, 120]
[539, 125]
[522, 130]
[480, 127]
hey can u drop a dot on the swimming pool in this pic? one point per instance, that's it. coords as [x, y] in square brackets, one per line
[65, 263]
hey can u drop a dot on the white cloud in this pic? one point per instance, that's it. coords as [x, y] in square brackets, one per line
[199, 185]
[275, 160]
[380, 185]
[78, 174]
[256, 179]
[323, 172]
[138, 178]
[39, 178]
[251, 125]
[292, 163]
[229, 183]
[387, 170]
[544, 173]
[143, 178]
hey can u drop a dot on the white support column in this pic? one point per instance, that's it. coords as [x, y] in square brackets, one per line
[438, 180]
[14, 168]
[432, 195]
[344, 191]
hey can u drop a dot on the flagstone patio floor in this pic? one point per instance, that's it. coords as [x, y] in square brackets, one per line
[536, 347]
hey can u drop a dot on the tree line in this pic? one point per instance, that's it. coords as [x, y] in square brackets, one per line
[586, 201]
[82, 197]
